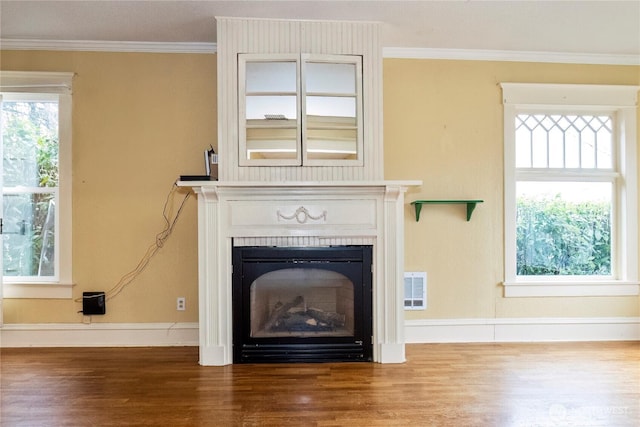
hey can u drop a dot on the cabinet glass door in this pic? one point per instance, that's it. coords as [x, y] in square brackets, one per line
[332, 111]
[300, 110]
[269, 118]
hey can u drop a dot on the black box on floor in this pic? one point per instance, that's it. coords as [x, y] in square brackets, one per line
[93, 303]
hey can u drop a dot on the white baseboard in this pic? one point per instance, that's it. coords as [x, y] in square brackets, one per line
[99, 335]
[416, 331]
[522, 330]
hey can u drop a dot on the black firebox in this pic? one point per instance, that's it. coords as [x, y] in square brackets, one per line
[310, 304]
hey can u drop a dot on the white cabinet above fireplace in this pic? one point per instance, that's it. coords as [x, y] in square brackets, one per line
[299, 100]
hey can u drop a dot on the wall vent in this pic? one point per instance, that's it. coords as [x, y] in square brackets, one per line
[415, 290]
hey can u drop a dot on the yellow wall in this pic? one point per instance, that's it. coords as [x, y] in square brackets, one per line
[443, 125]
[141, 120]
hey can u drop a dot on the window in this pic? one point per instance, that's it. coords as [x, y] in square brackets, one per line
[300, 110]
[570, 190]
[36, 185]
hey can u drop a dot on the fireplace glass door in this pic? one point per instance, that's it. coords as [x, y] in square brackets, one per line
[302, 304]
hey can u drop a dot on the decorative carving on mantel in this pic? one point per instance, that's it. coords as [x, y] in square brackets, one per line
[302, 215]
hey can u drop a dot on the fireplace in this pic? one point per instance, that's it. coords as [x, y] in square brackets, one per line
[313, 216]
[308, 304]
[310, 204]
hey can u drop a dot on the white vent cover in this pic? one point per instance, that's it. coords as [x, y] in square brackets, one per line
[415, 291]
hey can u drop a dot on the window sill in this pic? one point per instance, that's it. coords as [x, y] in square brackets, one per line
[571, 289]
[37, 290]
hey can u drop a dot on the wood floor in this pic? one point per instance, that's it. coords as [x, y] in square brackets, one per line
[567, 384]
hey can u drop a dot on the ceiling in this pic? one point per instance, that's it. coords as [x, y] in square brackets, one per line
[562, 27]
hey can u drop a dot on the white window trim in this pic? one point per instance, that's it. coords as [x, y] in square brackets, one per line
[623, 101]
[59, 83]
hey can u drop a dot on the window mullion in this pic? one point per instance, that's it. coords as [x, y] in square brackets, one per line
[302, 109]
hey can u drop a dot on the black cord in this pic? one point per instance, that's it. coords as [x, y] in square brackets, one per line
[160, 240]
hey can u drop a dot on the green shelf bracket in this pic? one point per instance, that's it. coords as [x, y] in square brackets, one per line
[471, 205]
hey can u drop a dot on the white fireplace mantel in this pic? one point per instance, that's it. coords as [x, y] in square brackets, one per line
[299, 213]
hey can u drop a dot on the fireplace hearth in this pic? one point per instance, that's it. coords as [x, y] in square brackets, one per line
[302, 304]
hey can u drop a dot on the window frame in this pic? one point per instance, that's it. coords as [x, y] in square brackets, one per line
[621, 103]
[15, 84]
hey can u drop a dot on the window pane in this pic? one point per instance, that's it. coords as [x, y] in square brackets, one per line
[563, 228]
[523, 148]
[328, 106]
[332, 144]
[539, 148]
[588, 149]
[605, 144]
[572, 148]
[263, 107]
[271, 76]
[30, 144]
[330, 78]
[571, 141]
[331, 131]
[556, 148]
[29, 234]
[272, 143]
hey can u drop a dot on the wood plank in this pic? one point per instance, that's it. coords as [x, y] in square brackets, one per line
[577, 384]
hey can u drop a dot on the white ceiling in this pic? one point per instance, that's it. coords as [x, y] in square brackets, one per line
[559, 27]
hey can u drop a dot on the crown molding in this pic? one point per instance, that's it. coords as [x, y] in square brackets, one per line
[510, 56]
[107, 46]
[388, 52]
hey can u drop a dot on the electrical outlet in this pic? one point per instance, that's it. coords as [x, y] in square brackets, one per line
[180, 304]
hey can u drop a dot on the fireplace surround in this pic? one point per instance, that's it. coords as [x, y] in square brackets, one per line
[303, 214]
